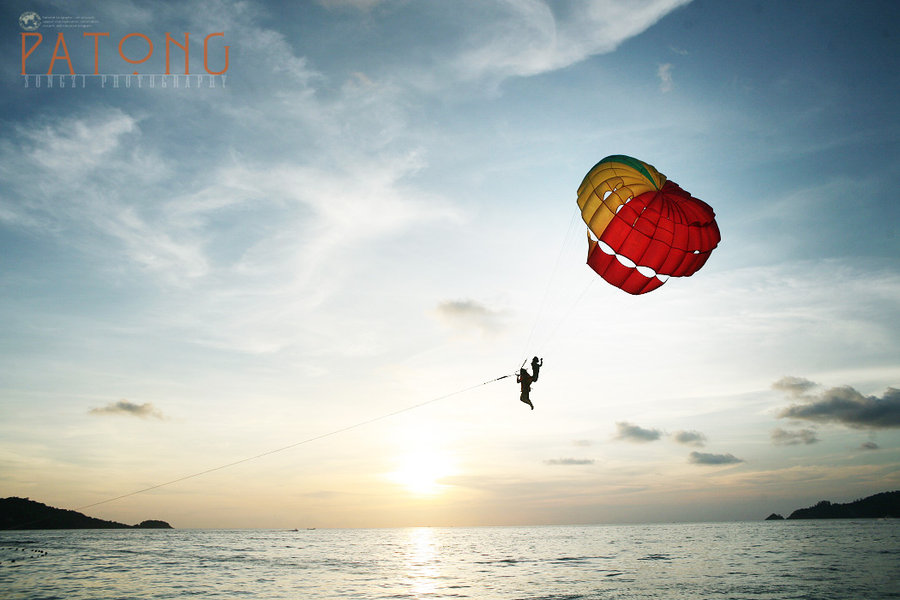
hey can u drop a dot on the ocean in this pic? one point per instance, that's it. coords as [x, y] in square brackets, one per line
[778, 560]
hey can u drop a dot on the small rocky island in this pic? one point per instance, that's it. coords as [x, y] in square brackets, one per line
[885, 505]
[22, 513]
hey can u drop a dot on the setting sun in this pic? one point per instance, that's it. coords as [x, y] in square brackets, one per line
[421, 472]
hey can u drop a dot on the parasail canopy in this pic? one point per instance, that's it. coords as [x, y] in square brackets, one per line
[642, 227]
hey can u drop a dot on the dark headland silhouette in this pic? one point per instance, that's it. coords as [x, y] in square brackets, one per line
[880, 506]
[22, 513]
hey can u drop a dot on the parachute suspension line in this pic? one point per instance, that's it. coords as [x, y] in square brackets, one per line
[540, 312]
[295, 444]
[566, 315]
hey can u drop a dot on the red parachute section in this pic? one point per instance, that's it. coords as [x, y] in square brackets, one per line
[645, 237]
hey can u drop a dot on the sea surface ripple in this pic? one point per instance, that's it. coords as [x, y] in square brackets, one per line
[812, 560]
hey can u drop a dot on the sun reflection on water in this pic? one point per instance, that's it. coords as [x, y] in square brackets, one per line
[422, 565]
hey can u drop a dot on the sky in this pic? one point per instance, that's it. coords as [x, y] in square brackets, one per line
[318, 262]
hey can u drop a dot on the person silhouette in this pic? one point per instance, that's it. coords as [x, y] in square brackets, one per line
[536, 365]
[525, 379]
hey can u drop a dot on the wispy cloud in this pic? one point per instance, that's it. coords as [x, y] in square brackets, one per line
[703, 458]
[633, 433]
[861, 316]
[76, 145]
[810, 476]
[261, 239]
[469, 315]
[532, 37]
[784, 437]
[363, 5]
[126, 408]
[97, 191]
[664, 72]
[569, 461]
[870, 445]
[846, 406]
[689, 438]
